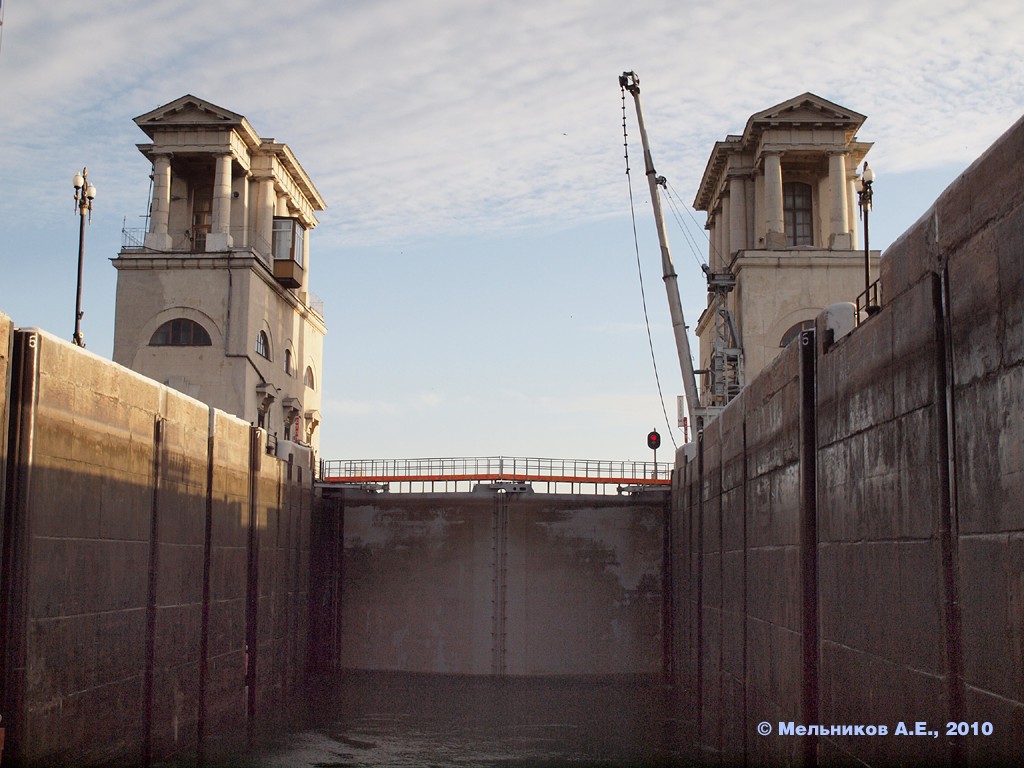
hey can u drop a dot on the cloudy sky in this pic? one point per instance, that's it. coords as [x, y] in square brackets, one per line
[477, 260]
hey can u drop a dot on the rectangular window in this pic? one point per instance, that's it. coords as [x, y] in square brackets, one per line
[797, 209]
[202, 217]
[288, 237]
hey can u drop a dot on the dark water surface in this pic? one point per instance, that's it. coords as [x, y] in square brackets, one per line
[358, 720]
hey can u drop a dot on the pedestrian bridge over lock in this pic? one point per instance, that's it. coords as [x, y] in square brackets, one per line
[496, 473]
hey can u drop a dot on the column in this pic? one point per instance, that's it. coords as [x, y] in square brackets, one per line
[775, 227]
[712, 228]
[839, 224]
[851, 209]
[157, 238]
[243, 192]
[737, 213]
[266, 200]
[751, 190]
[219, 238]
[725, 227]
[305, 268]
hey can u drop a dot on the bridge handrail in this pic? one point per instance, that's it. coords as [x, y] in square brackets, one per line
[491, 468]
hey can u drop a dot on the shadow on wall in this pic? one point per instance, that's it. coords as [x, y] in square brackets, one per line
[154, 568]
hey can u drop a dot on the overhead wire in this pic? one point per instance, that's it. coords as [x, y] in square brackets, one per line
[694, 220]
[640, 272]
[695, 250]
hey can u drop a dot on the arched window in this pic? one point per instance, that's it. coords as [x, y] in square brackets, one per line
[789, 336]
[796, 206]
[308, 379]
[180, 332]
[288, 368]
[262, 345]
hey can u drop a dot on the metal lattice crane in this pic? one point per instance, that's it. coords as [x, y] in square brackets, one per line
[725, 376]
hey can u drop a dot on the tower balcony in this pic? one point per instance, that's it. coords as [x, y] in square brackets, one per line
[139, 242]
[286, 271]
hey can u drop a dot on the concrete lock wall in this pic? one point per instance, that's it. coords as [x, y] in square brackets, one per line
[737, 555]
[848, 539]
[498, 584]
[155, 566]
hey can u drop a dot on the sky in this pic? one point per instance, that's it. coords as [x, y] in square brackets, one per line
[477, 259]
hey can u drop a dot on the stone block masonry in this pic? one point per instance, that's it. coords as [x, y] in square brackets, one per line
[848, 538]
[154, 567]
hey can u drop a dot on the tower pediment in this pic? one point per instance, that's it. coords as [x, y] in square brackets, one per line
[806, 112]
[188, 110]
[190, 113]
[807, 108]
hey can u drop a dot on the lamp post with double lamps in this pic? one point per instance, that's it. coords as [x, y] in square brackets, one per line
[863, 187]
[85, 193]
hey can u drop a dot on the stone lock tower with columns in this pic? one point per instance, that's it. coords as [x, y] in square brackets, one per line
[213, 298]
[782, 217]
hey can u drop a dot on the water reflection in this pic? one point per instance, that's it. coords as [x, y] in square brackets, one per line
[361, 720]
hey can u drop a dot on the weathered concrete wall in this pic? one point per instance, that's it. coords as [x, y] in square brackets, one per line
[883, 527]
[504, 584]
[850, 535]
[979, 226]
[151, 551]
[281, 533]
[737, 553]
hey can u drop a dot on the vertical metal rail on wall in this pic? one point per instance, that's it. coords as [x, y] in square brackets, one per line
[5, 410]
[293, 524]
[499, 610]
[949, 527]
[204, 634]
[24, 398]
[668, 603]
[252, 588]
[337, 584]
[151, 593]
[746, 605]
[720, 696]
[809, 537]
[699, 651]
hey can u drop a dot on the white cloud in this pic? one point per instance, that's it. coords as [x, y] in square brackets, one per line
[457, 116]
[445, 120]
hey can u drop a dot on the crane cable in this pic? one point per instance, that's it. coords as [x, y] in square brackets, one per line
[696, 223]
[675, 206]
[643, 295]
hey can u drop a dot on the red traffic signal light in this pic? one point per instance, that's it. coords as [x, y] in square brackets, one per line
[653, 440]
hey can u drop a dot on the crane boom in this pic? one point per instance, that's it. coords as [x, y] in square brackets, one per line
[631, 83]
